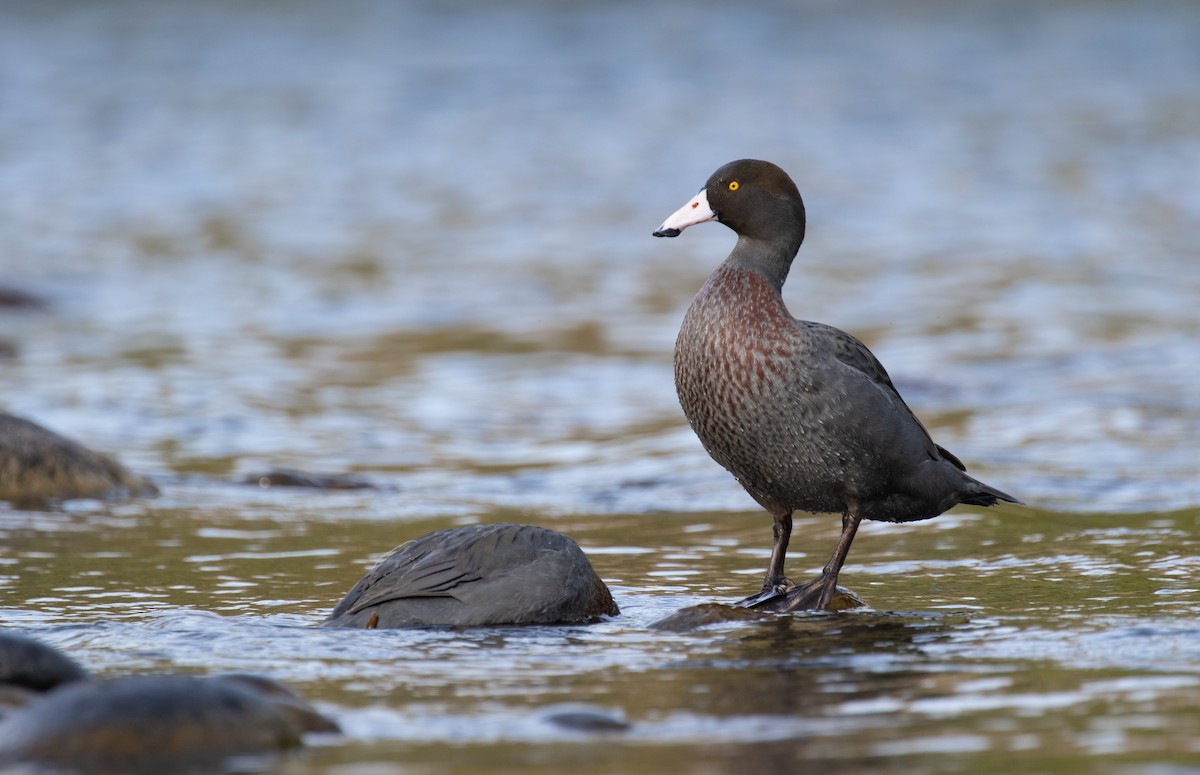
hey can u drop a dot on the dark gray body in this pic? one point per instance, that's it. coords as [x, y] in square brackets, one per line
[802, 413]
[478, 575]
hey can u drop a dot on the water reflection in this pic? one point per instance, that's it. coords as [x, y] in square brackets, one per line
[878, 679]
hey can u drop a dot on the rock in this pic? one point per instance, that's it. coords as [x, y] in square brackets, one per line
[37, 464]
[156, 724]
[14, 298]
[584, 717]
[287, 477]
[707, 614]
[31, 664]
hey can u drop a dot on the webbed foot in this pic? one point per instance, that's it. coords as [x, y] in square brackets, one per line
[769, 592]
[820, 594]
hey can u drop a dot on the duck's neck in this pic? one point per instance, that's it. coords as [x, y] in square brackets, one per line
[771, 258]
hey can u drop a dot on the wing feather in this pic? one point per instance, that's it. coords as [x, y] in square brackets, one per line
[851, 352]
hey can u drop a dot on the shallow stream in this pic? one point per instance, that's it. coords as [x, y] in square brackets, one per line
[410, 242]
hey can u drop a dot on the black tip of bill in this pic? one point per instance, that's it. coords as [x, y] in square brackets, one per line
[668, 233]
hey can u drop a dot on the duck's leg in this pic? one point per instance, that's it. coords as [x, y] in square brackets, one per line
[774, 583]
[816, 594]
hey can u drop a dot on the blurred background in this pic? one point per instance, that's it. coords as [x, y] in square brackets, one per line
[410, 241]
[375, 234]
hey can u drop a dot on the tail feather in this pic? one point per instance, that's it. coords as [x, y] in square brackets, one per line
[981, 494]
[976, 492]
[951, 457]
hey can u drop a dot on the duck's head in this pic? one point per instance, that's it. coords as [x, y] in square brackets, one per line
[754, 198]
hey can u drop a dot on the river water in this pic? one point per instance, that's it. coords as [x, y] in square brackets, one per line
[411, 242]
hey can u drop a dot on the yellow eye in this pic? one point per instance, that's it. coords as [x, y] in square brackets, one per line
[733, 185]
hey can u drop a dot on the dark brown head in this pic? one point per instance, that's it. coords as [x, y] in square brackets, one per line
[754, 198]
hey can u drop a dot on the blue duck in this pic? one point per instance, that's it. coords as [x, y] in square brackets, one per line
[478, 575]
[801, 413]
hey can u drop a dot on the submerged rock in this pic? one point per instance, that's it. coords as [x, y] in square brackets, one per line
[287, 477]
[37, 464]
[155, 724]
[706, 614]
[478, 575]
[584, 717]
[842, 600]
[15, 298]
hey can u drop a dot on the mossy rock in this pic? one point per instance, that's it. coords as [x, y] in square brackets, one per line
[37, 464]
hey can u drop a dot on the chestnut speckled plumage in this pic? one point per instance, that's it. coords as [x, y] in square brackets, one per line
[801, 413]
